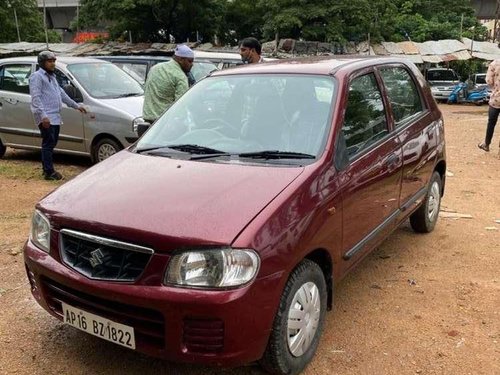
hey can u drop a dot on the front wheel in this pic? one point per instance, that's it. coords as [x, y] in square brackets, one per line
[3, 149]
[424, 219]
[299, 321]
[104, 148]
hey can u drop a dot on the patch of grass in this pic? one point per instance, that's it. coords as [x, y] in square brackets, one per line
[28, 170]
[23, 171]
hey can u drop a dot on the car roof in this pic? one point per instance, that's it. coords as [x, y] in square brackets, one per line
[65, 60]
[159, 58]
[322, 65]
[433, 69]
[134, 57]
[217, 55]
[197, 54]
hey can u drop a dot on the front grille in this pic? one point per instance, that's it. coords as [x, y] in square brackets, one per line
[149, 325]
[203, 335]
[101, 258]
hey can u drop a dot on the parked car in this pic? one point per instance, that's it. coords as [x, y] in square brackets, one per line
[219, 236]
[112, 98]
[442, 82]
[477, 81]
[139, 66]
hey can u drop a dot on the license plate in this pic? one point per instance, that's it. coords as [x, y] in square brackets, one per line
[95, 325]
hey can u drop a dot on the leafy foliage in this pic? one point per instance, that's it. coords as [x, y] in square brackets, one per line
[155, 20]
[232, 20]
[30, 21]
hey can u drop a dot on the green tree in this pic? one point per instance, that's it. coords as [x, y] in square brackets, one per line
[421, 20]
[242, 19]
[383, 20]
[155, 20]
[30, 21]
[321, 20]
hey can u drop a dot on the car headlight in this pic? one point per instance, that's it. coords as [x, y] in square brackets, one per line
[40, 231]
[136, 122]
[212, 268]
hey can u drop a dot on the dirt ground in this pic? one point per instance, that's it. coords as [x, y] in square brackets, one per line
[419, 304]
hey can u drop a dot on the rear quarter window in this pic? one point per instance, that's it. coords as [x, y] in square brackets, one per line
[403, 94]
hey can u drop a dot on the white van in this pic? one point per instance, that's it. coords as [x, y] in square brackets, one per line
[113, 100]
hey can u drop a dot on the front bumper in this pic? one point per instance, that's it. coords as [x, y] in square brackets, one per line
[441, 94]
[226, 328]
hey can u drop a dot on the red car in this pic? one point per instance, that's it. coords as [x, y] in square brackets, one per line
[219, 236]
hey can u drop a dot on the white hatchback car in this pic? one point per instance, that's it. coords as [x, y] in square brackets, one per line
[112, 98]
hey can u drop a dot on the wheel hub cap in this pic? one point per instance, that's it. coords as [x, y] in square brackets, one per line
[303, 319]
[105, 151]
[434, 198]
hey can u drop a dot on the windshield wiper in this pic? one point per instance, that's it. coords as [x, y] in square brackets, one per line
[189, 148]
[196, 149]
[147, 149]
[129, 94]
[276, 154]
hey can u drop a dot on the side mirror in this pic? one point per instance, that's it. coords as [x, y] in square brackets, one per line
[73, 93]
[142, 128]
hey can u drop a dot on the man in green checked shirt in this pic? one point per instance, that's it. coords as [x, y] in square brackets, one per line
[166, 83]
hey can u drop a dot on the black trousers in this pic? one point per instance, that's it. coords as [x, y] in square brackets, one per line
[50, 137]
[492, 121]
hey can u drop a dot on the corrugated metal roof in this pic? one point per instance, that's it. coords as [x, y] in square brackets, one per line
[441, 47]
[431, 51]
[392, 48]
[409, 48]
[416, 59]
[434, 59]
[485, 56]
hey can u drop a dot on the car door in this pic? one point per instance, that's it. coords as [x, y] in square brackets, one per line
[16, 119]
[370, 180]
[416, 129]
[72, 132]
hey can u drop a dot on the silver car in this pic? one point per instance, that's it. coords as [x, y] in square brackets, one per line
[442, 82]
[112, 98]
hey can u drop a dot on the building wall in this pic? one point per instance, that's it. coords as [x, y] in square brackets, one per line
[485, 9]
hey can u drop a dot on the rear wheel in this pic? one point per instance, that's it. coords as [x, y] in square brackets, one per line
[424, 219]
[104, 148]
[299, 321]
[2, 149]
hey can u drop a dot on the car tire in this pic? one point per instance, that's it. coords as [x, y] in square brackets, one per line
[3, 149]
[104, 148]
[424, 219]
[304, 296]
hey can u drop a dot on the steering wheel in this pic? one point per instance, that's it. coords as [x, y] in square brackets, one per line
[221, 126]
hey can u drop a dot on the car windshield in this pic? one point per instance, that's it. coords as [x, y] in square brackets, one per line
[105, 80]
[288, 115]
[481, 79]
[441, 75]
[202, 69]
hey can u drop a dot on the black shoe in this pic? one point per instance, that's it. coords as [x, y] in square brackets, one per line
[56, 176]
[483, 146]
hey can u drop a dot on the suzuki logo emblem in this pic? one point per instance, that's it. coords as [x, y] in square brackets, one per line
[96, 258]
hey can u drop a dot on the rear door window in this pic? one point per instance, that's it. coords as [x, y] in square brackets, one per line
[365, 119]
[403, 94]
[15, 78]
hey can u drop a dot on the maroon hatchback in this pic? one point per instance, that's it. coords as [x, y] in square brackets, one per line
[219, 236]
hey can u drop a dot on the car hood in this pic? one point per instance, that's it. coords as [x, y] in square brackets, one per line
[131, 105]
[443, 83]
[166, 203]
